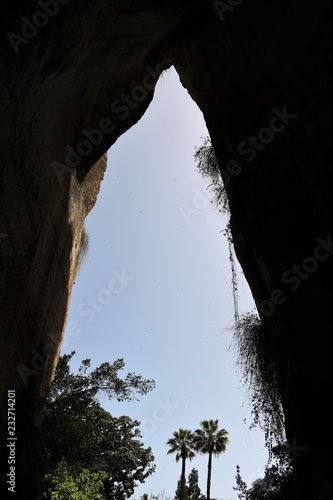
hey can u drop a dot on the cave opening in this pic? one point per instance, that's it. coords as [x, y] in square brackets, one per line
[155, 288]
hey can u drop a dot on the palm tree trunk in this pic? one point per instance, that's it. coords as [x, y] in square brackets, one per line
[183, 481]
[209, 473]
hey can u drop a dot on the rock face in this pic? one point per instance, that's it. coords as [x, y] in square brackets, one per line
[73, 80]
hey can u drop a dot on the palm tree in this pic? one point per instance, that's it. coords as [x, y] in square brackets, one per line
[211, 440]
[182, 444]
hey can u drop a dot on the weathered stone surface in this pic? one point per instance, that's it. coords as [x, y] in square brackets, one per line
[258, 69]
[69, 87]
[274, 61]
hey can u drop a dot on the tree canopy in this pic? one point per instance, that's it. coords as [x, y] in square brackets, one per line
[181, 443]
[193, 489]
[103, 379]
[81, 435]
[210, 440]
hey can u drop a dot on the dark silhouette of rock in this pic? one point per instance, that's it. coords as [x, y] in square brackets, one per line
[74, 77]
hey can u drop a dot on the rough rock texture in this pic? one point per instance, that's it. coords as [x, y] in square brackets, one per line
[60, 83]
[255, 68]
[279, 58]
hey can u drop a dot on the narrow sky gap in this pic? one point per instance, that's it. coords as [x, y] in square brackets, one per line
[172, 304]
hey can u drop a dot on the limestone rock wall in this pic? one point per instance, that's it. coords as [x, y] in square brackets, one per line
[74, 77]
[267, 101]
[70, 86]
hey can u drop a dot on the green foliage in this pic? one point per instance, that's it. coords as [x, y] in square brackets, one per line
[241, 486]
[81, 434]
[193, 490]
[179, 494]
[182, 444]
[85, 486]
[104, 379]
[210, 440]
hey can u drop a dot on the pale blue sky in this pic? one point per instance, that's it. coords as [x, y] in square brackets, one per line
[171, 316]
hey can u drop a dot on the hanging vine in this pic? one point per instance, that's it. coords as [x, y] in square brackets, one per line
[260, 378]
[254, 358]
[234, 281]
[208, 167]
